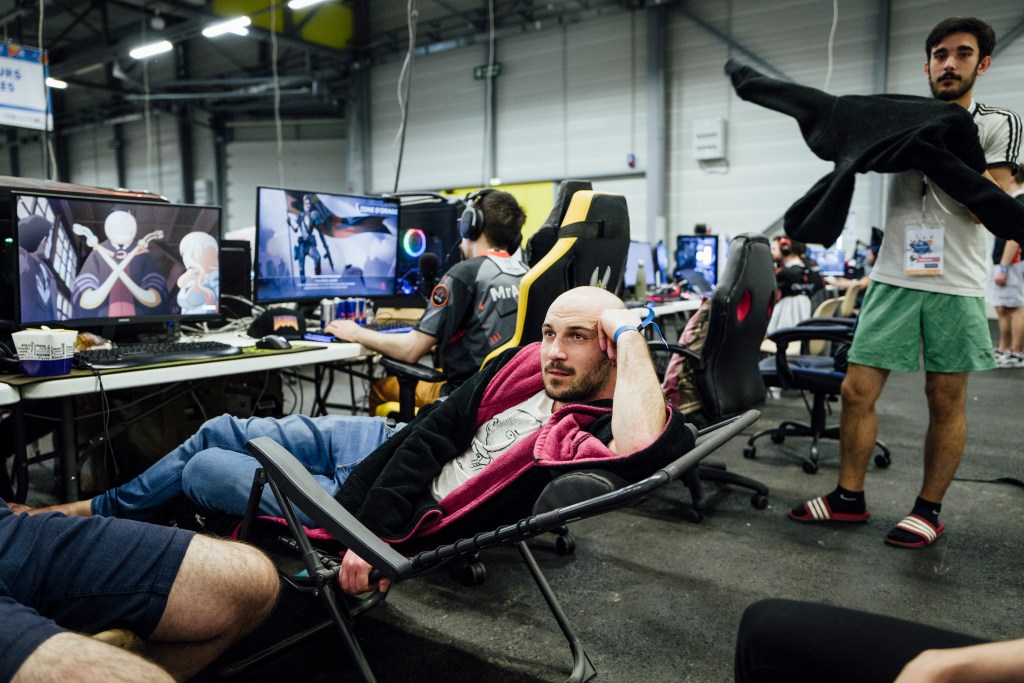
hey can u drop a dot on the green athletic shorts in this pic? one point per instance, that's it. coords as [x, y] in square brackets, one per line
[894, 321]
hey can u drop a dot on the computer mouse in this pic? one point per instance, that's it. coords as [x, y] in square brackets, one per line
[273, 341]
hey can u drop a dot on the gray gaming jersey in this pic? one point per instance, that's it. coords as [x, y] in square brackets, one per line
[472, 311]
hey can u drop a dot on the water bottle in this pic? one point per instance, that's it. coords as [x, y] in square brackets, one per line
[640, 291]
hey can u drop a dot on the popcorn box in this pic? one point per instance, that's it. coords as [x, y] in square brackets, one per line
[45, 352]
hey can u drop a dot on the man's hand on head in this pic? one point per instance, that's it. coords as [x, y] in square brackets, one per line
[343, 329]
[354, 576]
[611, 320]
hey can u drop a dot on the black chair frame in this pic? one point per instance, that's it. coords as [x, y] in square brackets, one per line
[291, 485]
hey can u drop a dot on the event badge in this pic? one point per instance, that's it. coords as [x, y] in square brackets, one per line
[923, 251]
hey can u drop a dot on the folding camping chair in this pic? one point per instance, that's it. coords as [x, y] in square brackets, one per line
[567, 498]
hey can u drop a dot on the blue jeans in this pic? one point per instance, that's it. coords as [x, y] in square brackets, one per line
[213, 469]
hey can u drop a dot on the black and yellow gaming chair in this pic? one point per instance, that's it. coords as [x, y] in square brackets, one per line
[591, 250]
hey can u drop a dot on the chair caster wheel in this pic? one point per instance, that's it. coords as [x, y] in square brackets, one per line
[758, 501]
[778, 436]
[883, 461]
[750, 452]
[473, 575]
[693, 515]
[810, 467]
[565, 545]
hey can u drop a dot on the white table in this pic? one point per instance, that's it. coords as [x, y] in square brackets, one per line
[8, 395]
[65, 387]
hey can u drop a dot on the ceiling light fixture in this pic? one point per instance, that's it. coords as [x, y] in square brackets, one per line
[236, 26]
[151, 49]
[55, 83]
[303, 4]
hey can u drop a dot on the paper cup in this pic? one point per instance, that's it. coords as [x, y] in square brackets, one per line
[45, 352]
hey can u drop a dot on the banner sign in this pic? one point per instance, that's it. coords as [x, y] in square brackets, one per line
[24, 98]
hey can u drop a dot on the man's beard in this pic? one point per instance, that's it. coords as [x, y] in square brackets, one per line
[966, 83]
[580, 388]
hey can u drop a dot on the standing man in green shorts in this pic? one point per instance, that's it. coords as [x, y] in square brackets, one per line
[928, 288]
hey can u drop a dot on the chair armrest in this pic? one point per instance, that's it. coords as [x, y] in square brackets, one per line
[299, 487]
[812, 322]
[695, 360]
[836, 333]
[413, 370]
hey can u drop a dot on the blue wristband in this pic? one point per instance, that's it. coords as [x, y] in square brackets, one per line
[624, 328]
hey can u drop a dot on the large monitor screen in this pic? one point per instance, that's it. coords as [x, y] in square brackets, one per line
[86, 261]
[314, 245]
[639, 251]
[831, 260]
[697, 261]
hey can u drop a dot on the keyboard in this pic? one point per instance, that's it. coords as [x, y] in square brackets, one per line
[136, 355]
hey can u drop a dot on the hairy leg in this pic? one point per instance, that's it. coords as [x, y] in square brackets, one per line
[858, 426]
[947, 431]
[223, 590]
[74, 657]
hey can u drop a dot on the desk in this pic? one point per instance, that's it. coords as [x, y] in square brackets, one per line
[8, 395]
[64, 388]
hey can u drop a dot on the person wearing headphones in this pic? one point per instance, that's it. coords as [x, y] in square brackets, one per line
[471, 311]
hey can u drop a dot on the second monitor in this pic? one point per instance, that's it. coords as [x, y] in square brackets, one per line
[312, 245]
[697, 261]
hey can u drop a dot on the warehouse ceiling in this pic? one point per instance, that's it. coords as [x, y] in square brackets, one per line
[232, 77]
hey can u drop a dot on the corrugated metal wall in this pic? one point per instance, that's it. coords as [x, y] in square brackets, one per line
[572, 101]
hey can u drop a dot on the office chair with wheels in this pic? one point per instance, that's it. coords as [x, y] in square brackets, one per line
[591, 250]
[725, 370]
[820, 375]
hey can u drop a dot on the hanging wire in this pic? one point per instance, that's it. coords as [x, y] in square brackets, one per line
[277, 93]
[404, 83]
[487, 161]
[831, 43]
[49, 170]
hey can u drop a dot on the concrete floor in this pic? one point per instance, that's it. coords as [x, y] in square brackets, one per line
[655, 598]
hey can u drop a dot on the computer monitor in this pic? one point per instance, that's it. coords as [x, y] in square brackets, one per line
[315, 245]
[661, 260]
[697, 261]
[832, 260]
[98, 262]
[639, 251]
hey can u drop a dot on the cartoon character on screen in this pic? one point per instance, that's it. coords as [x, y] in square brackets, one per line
[38, 286]
[307, 225]
[119, 278]
[199, 285]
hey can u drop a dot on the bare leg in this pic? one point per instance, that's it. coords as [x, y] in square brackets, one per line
[858, 425]
[1004, 317]
[1017, 330]
[947, 431]
[223, 590]
[74, 657]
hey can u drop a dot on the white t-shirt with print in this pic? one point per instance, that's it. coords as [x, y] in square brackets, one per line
[493, 438]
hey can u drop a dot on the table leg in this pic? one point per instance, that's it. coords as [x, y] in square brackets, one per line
[67, 457]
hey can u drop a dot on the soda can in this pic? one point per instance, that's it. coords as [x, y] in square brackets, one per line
[327, 312]
[360, 310]
[339, 308]
[350, 309]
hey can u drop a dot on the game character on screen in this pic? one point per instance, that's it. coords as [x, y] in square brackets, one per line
[307, 225]
[119, 275]
[199, 285]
